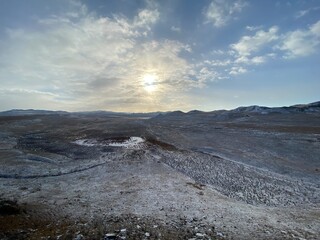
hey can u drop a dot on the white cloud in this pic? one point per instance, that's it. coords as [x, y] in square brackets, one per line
[26, 91]
[217, 52]
[82, 61]
[251, 44]
[206, 74]
[258, 59]
[175, 29]
[302, 13]
[261, 46]
[253, 28]
[300, 43]
[146, 17]
[220, 12]
[251, 61]
[236, 70]
[305, 12]
[27, 99]
[162, 58]
[218, 63]
[250, 50]
[258, 48]
[315, 29]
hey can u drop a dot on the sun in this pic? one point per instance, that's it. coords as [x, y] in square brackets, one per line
[150, 82]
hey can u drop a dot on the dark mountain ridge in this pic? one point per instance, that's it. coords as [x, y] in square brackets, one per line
[308, 108]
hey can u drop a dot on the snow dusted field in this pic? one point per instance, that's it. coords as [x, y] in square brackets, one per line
[71, 177]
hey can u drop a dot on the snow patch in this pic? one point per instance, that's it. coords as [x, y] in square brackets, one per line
[87, 142]
[131, 143]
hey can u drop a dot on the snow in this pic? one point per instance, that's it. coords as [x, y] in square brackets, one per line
[87, 142]
[131, 143]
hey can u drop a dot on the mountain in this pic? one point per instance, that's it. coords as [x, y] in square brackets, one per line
[307, 108]
[22, 112]
[311, 107]
[28, 112]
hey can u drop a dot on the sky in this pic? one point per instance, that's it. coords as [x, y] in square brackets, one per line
[144, 55]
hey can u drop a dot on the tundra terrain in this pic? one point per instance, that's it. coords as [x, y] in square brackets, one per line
[248, 173]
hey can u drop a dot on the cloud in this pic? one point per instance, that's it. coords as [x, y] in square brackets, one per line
[251, 61]
[293, 44]
[146, 17]
[251, 50]
[305, 12]
[175, 29]
[205, 74]
[77, 60]
[253, 28]
[218, 63]
[162, 59]
[26, 91]
[236, 70]
[258, 48]
[263, 45]
[251, 44]
[220, 12]
[301, 42]
[28, 98]
[217, 52]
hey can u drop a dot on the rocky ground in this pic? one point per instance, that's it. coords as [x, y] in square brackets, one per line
[121, 177]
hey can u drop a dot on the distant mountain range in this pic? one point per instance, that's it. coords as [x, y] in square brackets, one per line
[28, 112]
[311, 107]
[25, 112]
[307, 108]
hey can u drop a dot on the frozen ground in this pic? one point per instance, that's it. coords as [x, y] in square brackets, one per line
[237, 176]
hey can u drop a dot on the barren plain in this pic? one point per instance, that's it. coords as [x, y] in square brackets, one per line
[249, 173]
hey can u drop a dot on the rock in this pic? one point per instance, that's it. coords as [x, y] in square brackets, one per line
[110, 236]
[79, 237]
[200, 235]
[295, 232]
[147, 234]
[219, 234]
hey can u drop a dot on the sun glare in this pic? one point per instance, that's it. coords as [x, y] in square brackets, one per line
[149, 82]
